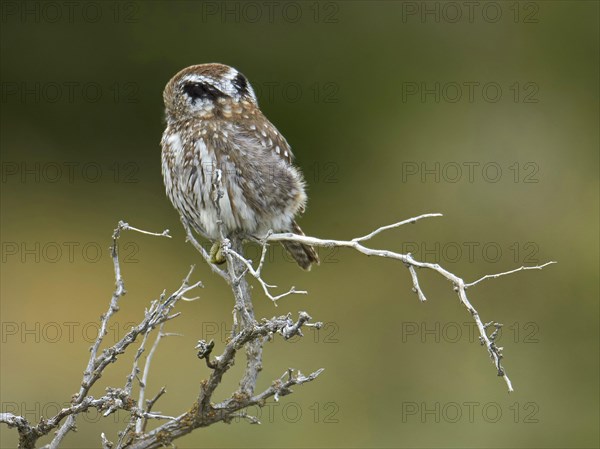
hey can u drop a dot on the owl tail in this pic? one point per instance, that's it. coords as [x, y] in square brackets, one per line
[304, 255]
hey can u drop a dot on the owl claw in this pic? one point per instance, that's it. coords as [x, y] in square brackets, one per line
[216, 254]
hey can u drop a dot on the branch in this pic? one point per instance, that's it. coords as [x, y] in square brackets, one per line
[256, 273]
[203, 413]
[416, 286]
[458, 283]
[156, 315]
[27, 434]
[150, 403]
[394, 225]
[281, 388]
[247, 333]
[282, 325]
[231, 244]
[144, 381]
[125, 227]
[494, 276]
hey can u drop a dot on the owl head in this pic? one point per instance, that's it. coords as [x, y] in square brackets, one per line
[198, 90]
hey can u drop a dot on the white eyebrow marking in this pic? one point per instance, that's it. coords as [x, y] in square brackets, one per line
[231, 73]
[222, 82]
[195, 78]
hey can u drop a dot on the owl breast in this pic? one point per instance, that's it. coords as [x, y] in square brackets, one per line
[262, 190]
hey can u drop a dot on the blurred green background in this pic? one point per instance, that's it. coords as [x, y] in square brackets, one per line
[386, 105]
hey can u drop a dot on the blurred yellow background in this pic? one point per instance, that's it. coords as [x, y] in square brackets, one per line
[487, 114]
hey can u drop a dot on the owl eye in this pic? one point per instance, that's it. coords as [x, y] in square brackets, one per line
[202, 91]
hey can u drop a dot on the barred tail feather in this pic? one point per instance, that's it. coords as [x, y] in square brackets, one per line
[304, 255]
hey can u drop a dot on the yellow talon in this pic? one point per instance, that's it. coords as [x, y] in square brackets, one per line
[216, 254]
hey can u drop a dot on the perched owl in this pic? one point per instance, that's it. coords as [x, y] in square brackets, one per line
[213, 122]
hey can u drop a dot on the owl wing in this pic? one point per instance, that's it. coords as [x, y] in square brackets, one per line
[261, 135]
[266, 165]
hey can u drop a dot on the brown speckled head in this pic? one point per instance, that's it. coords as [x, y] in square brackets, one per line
[197, 89]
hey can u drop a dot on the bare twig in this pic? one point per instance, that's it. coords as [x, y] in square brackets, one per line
[106, 444]
[278, 325]
[28, 434]
[494, 276]
[256, 273]
[144, 382]
[244, 415]
[204, 413]
[394, 225]
[89, 378]
[416, 286]
[149, 404]
[125, 227]
[459, 284]
[156, 315]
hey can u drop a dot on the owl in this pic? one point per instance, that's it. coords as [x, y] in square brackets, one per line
[214, 122]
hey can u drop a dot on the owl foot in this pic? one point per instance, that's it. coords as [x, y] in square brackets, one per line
[216, 254]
